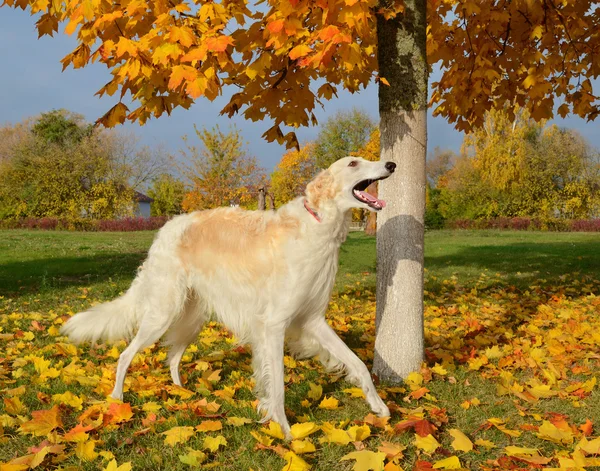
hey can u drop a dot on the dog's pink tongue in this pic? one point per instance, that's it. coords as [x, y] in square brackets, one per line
[372, 199]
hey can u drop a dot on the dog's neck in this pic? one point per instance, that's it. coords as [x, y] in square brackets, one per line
[312, 212]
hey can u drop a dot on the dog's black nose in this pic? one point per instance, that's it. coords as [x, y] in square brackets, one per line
[390, 166]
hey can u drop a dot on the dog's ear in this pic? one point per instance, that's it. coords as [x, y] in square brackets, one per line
[321, 188]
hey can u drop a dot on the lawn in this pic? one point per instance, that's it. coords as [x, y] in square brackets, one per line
[512, 322]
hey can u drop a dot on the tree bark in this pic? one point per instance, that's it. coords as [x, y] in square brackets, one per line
[261, 199]
[399, 344]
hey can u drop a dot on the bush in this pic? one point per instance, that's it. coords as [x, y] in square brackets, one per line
[526, 223]
[82, 224]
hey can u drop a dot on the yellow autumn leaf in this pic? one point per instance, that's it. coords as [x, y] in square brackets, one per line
[316, 391]
[485, 443]
[151, 407]
[549, 431]
[461, 442]
[299, 431]
[294, 462]
[530, 455]
[238, 421]
[366, 460]
[112, 466]
[449, 463]
[334, 435]
[263, 440]
[193, 457]
[209, 426]
[13, 405]
[213, 443]
[177, 435]
[330, 403]
[69, 399]
[274, 430]
[428, 444]
[358, 433]
[85, 450]
[355, 392]
[302, 446]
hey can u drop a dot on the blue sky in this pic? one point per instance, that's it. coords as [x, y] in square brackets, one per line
[31, 82]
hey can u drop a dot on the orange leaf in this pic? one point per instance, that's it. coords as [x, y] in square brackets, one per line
[328, 32]
[42, 423]
[218, 44]
[275, 26]
[587, 427]
[118, 413]
[209, 426]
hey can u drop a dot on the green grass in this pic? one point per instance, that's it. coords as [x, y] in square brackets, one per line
[46, 275]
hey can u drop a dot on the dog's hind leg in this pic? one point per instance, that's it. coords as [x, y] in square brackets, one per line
[160, 306]
[357, 373]
[184, 332]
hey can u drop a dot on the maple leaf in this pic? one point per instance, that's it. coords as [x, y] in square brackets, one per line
[549, 431]
[316, 391]
[530, 455]
[177, 435]
[451, 462]
[330, 403]
[334, 435]
[461, 441]
[358, 433]
[119, 412]
[85, 450]
[366, 460]
[294, 463]
[303, 430]
[209, 426]
[116, 115]
[238, 421]
[213, 443]
[302, 446]
[78, 433]
[274, 430]
[193, 457]
[428, 444]
[42, 422]
[112, 466]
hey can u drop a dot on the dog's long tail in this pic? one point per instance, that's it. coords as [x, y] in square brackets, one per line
[110, 321]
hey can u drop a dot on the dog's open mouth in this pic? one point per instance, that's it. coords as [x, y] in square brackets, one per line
[361, 195]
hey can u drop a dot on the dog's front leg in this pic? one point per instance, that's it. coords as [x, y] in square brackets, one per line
[268, 350]
[356, 370]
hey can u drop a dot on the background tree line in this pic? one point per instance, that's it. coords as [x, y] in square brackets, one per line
[57, 165]
[514, 167]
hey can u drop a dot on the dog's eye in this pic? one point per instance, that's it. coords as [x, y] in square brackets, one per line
[354, 163]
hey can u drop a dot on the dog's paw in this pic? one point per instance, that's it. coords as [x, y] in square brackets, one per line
[380, 409]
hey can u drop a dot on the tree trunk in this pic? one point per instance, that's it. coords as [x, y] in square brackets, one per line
[271, 201]
[261, 199]
[399, 344]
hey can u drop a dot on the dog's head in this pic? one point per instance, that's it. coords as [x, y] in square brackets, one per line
[344, 182]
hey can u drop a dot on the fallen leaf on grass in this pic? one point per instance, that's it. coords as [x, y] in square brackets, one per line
[461, 441]
[366, 460]
[178, 435]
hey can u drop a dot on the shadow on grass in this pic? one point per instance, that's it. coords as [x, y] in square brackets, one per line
[21, 278]
[521, 264]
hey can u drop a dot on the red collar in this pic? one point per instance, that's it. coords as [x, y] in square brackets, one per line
[313, 214]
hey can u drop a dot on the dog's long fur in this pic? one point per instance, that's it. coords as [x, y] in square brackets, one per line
[265, 275]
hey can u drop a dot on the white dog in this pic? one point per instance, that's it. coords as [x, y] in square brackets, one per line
[266, 275]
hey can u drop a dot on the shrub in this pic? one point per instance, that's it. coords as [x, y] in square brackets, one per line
[527, 223]
[83, 224]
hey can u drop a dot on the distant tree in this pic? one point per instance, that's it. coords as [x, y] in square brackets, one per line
[438, 164]
[342, 134]
[167, 193]
[61, 127]
[67, 181]
[514, 166]
[220, 173]
[291, 175]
